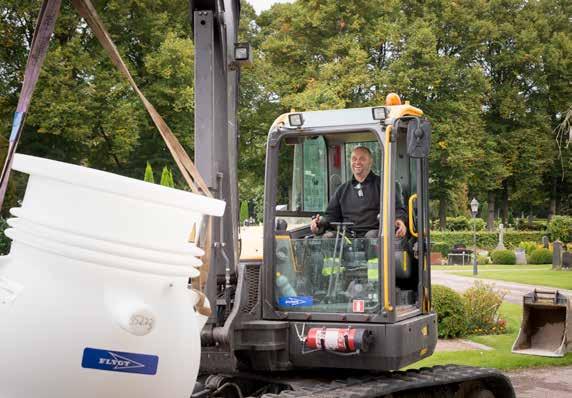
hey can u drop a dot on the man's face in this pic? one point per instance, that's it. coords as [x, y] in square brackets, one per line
[361, 164]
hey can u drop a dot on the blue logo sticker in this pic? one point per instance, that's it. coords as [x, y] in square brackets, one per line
[296, 301]
[116, 361]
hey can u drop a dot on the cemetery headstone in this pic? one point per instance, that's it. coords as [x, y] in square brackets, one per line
[556, 254]
[545, 242]
[566, 260]
[520, 256]
[501, 246]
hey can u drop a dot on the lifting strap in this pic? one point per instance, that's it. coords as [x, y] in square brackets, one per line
[39, 48]
[42, 33]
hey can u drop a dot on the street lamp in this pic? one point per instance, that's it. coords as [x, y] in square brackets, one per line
[474, 211]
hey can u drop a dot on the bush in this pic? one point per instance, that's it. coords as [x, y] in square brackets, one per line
[479, 223]
[528, 247]
[441, 247]
[503, 257]
[450, 310]
[560, 228]
[540, 256]
[460, 223]
[522, 224]
[482, 260]
[482, 304]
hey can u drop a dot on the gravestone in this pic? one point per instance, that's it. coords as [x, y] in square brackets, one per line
[501, 246]
[545, 242]
[520, 256]
[567, 260]
[557, 254]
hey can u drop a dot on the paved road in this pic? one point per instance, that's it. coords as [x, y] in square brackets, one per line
[515, 291]
[554, 382]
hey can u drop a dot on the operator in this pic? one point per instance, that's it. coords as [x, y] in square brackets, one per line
[357, 201]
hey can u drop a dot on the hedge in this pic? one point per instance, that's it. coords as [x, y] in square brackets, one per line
[540, 256]
[485, 239]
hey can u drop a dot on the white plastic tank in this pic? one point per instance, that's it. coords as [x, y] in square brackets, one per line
[93, 295]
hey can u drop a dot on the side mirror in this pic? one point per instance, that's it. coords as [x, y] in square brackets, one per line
[418, 138]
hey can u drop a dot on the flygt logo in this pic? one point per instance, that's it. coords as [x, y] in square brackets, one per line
[116, 361]
[119, 362]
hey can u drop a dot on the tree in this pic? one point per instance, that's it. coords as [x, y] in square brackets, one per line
[167, 178]
[149, 174]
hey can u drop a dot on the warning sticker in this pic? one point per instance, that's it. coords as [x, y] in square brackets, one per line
[358, 306]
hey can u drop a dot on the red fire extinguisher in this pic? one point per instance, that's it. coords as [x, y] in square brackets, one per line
[339, 339]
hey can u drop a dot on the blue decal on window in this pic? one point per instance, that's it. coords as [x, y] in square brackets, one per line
[296, 301]
[117, 361]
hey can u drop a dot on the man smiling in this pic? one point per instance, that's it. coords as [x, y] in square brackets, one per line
[357, 201]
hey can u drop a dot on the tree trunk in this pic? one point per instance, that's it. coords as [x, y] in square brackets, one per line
[443, 211]
[504, 204]
[491, 215]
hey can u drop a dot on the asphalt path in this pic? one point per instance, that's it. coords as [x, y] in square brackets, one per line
[514, 291]
[551, 382]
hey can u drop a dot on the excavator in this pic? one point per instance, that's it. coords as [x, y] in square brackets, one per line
[296, 314]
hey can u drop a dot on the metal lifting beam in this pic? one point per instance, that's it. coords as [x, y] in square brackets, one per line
[215, 29]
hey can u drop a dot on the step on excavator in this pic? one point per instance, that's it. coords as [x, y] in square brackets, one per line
[297, 314]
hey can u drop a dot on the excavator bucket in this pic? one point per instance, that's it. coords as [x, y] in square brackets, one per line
[546, 328]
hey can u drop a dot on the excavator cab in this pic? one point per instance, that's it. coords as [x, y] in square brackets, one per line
[343, 293]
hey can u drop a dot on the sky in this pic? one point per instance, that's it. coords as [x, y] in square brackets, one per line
[261, 5]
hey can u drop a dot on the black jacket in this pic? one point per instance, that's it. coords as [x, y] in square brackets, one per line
[359, 203]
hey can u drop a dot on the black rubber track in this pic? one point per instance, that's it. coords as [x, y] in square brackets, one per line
[427, 379]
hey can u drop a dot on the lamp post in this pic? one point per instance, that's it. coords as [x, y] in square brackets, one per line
[474, 211]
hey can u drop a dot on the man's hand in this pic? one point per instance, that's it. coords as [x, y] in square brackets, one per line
[315, 224]
[401, 229]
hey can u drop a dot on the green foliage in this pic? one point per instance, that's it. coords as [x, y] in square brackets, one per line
[451, 313]
[482, 260]
[149, 174]
[460, 223]
[243, 211]
[528, 246]
[560, 228]
[167, 178]
[482, 304]
[441, 247]
[524, 224]
[503, 257]
[485, 239]
[540, 256]
[5, 242]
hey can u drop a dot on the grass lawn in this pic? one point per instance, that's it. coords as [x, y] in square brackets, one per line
[500, 357]
[542, 275]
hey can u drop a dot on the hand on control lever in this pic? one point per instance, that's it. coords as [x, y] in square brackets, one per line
[315, 224]
[400, 229]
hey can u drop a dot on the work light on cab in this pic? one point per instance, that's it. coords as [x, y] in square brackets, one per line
[380, 113]
[295, 119]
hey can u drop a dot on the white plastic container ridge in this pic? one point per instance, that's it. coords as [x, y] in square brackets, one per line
[93, 295]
